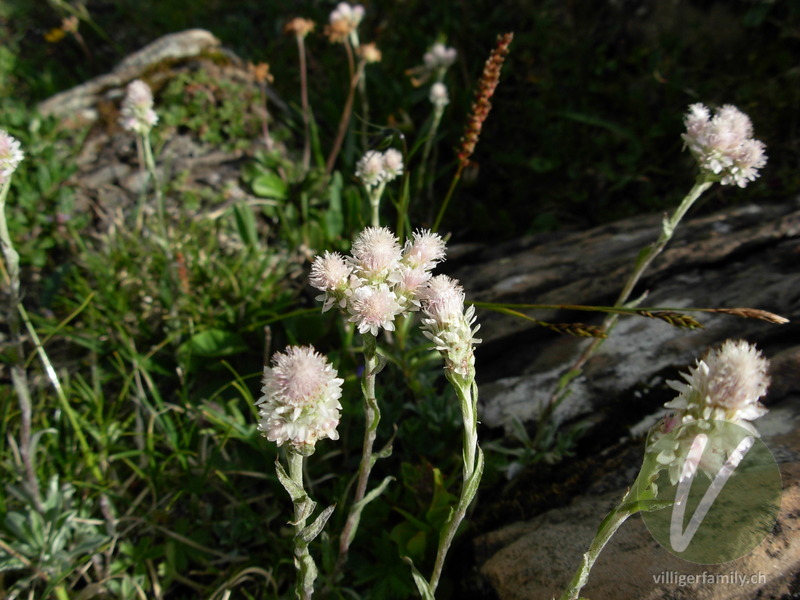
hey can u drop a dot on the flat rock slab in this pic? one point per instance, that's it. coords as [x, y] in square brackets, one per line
[741, 257]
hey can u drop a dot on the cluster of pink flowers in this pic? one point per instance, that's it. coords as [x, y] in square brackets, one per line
[381, 279]
[448, 325]
[137, 112]
[10, 156]
[723, 144]
[439, 57]
[722, 388]
[377, 167]
[300, 401]
[344, 21]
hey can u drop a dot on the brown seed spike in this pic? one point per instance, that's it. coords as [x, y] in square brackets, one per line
[673, 318]
[481, 106]
[753, 313]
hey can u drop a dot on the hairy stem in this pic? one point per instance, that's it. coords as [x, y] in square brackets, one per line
[19, 376]
[372, 417]
[344, 122]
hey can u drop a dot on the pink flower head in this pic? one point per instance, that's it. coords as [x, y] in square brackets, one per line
[392, 164]
[443, 300]
[438, 95]
[10, 156]
[370, 168]
[426, 250]
[373, 308]
[439, 57]
[376, 253]
[408, 283]
[723, 144]
[330, 273]
[300, 401]
[725, 385]
[137, 112]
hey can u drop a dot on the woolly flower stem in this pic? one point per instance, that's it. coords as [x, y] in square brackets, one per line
[372, 415]
[643, 261]
[375, 202]
[301, 49]
[307, 572]
[19, 377]
[150, 164]
[472, 456]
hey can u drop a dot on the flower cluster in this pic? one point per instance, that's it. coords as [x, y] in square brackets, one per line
[448, 325]
[343, 21]
[723, 387]
[10, 156]
[439, 57]
[380, 280]
[300, 401]
[377, 167]
[137, 112]
[723, 144]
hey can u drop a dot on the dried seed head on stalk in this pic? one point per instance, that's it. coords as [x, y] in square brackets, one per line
[481, 106]
[299, 27]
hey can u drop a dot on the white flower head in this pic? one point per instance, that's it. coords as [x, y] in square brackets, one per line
[300, 401]
[725, 385]
[392, 164]
[376, 253]
[10, 156]
[370, 168]
[347, 13]
[137, 112]
[723, 144]
[438, 95]
[330, 273]
[439, 57]
[424, 250]
[373, 308]
[408, 283]
[443, 300]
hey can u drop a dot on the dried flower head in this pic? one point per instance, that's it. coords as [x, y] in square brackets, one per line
[260, 72]
[300, 401]
[723, 144]
[438, 95]
[10, 156]
[137, 112]
[370, 52]
[481, 106]
[299, 27]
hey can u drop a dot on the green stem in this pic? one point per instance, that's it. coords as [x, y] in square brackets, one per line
[375, 202]
[303, 561]
[449, 195]
[150, 163]
[643, 261]
[467, 393]
[19, 376]
[438, 111]
[607, 529]
[372, 417]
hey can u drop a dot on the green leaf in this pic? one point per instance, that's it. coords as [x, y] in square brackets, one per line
[313, 530]
[213, 343]
[422, 585]
[270, 185]
[246, 225]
